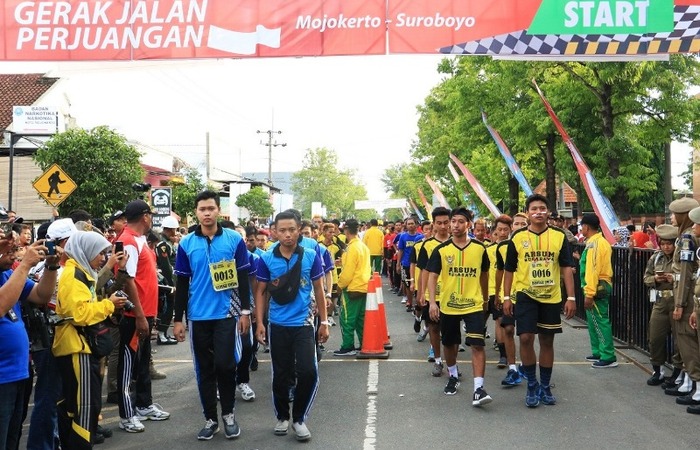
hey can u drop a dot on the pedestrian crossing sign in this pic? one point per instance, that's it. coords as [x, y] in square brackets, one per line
[54, 185]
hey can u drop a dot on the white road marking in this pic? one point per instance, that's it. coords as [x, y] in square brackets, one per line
[372, 389]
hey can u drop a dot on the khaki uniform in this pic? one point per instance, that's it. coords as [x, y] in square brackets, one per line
[684, 288]
[661, 322]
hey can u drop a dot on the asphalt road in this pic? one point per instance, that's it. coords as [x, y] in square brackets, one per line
[397, 404]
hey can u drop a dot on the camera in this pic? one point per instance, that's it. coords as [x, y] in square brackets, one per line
[128, 305]
[141, 187]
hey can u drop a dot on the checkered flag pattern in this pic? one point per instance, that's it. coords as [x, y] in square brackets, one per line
[685, 38]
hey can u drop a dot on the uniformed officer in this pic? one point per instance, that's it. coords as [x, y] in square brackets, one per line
[693, 399]
[659, 278]
[685, 265]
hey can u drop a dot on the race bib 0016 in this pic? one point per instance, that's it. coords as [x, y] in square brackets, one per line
[224, 275]
[541, 274]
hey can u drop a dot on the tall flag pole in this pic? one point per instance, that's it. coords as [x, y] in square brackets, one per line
[508, 156]
[601, 205]
[480, 192]
[436, 190]
[415, 208]
[467, 199]
[424, 200]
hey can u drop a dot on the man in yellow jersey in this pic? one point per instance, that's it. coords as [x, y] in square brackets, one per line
[512, 377]
[374, 240]
[441, 233]
[352, 281]
[462, 267]
[596, 281]
[336, 252]
[500, 232]
[537, 257]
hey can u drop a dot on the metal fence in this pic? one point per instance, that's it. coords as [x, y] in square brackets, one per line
[629, 306]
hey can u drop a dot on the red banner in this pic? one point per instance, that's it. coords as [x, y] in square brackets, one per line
[169, 29]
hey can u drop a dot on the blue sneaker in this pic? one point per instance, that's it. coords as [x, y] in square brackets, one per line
[521, 373]
[512, 378]
[431, 355]
[532, 397]
[546, 396]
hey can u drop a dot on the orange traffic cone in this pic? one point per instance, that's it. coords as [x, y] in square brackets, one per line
[384, 328]
[372, 338]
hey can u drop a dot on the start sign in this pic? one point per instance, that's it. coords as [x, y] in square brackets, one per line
[54, 185]
[603, 17]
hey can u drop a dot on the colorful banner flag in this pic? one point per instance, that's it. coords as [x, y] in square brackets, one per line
[480, 192]
[426, 203]
[467, 198]
[415, 208]
[438, 193]
[508, 156]
[601, 205]
[95, 30]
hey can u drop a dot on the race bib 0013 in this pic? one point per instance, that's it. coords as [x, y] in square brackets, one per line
[224, 275]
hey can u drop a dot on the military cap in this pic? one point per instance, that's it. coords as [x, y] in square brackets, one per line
[683, 205]
[668, 232]
[694, 215]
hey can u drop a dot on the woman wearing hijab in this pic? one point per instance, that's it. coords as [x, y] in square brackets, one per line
[80, 369]
[622, 237]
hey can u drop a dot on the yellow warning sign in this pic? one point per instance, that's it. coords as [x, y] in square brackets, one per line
[54, 185]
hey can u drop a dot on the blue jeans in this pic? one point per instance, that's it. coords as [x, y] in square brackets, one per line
[43, 427]
[11, 406]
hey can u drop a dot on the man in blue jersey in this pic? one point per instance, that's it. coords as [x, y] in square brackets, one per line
[291, 332]
[212, 281]
[404, 250]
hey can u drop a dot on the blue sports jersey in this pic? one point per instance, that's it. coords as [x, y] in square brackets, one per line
[405, 244]
[298, 312]
[14, 351]
[194, 255]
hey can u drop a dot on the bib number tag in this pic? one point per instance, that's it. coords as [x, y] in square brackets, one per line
[224, 275]
[541, 274]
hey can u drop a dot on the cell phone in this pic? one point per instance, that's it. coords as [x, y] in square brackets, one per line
[118, 246]
[50, 248]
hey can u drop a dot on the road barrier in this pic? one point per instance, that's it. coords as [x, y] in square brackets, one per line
[629, 306]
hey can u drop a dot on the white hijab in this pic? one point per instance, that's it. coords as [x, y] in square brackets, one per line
[84, 246]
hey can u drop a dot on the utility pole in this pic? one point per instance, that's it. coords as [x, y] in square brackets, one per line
[269, 144]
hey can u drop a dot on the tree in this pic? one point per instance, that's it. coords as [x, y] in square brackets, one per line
[102, 164]
[321, 180]
[620, 115]
[185, 193]
[257, 202]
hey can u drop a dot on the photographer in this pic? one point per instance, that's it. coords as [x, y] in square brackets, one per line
[43, 427]
[15, 286]
[78, 365]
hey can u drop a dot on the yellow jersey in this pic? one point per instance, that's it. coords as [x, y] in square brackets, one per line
[536, 259]
[491, 249]
[459, 274]
[424, 253]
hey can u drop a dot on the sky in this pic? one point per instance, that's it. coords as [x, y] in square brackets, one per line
[362, 107]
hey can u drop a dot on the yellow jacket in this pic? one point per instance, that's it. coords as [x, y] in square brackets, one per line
[374, 240]
[356, 268]
[76, 298]
[598, 264]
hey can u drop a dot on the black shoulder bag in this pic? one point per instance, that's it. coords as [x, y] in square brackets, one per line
[284, 289]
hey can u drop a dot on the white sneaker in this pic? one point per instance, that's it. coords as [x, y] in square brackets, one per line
[301, 431]
[153, 412]
[247, 393]
[404, 299]
[331, 321]
[131, 425]
[281, 427]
